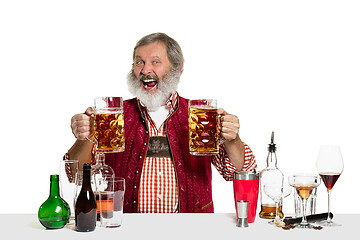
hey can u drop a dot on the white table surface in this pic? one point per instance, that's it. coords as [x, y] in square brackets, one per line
[177, 226]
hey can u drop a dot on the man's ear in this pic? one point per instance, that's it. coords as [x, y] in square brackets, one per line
[180, 67]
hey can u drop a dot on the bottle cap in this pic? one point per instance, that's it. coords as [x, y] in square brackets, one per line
[272, 145]
[54, 177]
[87, 166]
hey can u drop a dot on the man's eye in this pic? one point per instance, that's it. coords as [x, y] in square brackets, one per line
[156, 62]
[139, 62]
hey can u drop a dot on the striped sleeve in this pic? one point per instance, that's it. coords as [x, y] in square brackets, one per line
[222, 162]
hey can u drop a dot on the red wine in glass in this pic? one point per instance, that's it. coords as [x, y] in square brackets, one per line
[329, 165]
[329, 179]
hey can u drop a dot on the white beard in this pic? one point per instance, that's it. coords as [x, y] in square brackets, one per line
[154, 99]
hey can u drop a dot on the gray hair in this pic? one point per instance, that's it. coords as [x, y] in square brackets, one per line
[173, 49]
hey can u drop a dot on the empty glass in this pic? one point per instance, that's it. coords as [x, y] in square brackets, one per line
[67, 175]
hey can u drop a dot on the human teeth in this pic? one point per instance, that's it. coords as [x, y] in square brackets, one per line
[148, 80]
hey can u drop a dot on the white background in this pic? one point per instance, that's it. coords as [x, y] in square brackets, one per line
[286, 66]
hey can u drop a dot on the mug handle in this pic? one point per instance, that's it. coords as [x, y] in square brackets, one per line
[91, 137]
[221, 139]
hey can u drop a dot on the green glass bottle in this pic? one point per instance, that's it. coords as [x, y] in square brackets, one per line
[54, 213]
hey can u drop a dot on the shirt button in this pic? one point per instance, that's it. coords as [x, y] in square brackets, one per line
[144, 143]
[140, 157]
[134, 202]
[160, 173]
[147, 132]
[134, 187]
[159, 196]
[136, 172]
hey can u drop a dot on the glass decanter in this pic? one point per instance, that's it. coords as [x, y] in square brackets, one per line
[100, 171]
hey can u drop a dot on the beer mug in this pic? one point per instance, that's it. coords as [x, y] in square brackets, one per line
[109, 132]
[204, 127]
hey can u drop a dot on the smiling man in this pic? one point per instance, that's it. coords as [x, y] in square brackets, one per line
[161, 176]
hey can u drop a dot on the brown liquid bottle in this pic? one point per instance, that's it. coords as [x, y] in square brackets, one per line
[267, 176]
[85, 206]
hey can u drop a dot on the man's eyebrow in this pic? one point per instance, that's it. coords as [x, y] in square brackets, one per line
[154, 57]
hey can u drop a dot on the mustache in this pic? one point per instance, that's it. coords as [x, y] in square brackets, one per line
[143, 77]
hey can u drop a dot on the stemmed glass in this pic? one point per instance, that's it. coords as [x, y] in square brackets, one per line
[277, 192]
[329, 165]
[304, 185]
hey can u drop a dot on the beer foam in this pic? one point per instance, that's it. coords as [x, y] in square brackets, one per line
[202, 107]
[108, 111]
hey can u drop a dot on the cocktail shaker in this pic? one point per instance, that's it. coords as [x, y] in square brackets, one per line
[246, 188]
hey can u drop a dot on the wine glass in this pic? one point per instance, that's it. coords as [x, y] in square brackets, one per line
[329, 165]
[304, 185]
[277, 192]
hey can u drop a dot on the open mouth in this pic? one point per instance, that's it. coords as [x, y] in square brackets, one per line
[149, 84]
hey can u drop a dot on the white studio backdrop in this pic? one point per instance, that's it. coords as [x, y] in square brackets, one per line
[286, 66]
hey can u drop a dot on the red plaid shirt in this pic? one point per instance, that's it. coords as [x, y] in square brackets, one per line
[158, 188]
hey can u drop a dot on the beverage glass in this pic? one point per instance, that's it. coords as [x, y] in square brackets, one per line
[311, 204]
[329, 165]
[109, 125]
[78, 185]
[67, 175]
[304, 185]
[203, 127]
[111, 201]
[277, 192]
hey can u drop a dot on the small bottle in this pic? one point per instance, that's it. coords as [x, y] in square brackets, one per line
[54, 213]
[85, 206]
[98, 171]
[270, 174]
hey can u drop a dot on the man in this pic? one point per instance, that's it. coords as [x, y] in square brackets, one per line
[176, 181]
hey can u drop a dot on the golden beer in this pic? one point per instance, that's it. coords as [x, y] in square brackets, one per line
[110, 132]
[203, 130]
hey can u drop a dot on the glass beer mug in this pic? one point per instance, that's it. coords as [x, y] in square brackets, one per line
[204, 127]
[109, 132]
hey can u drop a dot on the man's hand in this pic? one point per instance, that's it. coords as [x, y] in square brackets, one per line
[234, 147]
[230, 125]
[81, 124]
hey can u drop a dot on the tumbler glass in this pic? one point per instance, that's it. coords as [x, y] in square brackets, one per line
[112, 201]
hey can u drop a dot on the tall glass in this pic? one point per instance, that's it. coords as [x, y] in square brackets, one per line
[67, 175]
[111, 201]
[329, 165]
[78, 185]
[203, 127]
[304, 185]
[109, 125]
